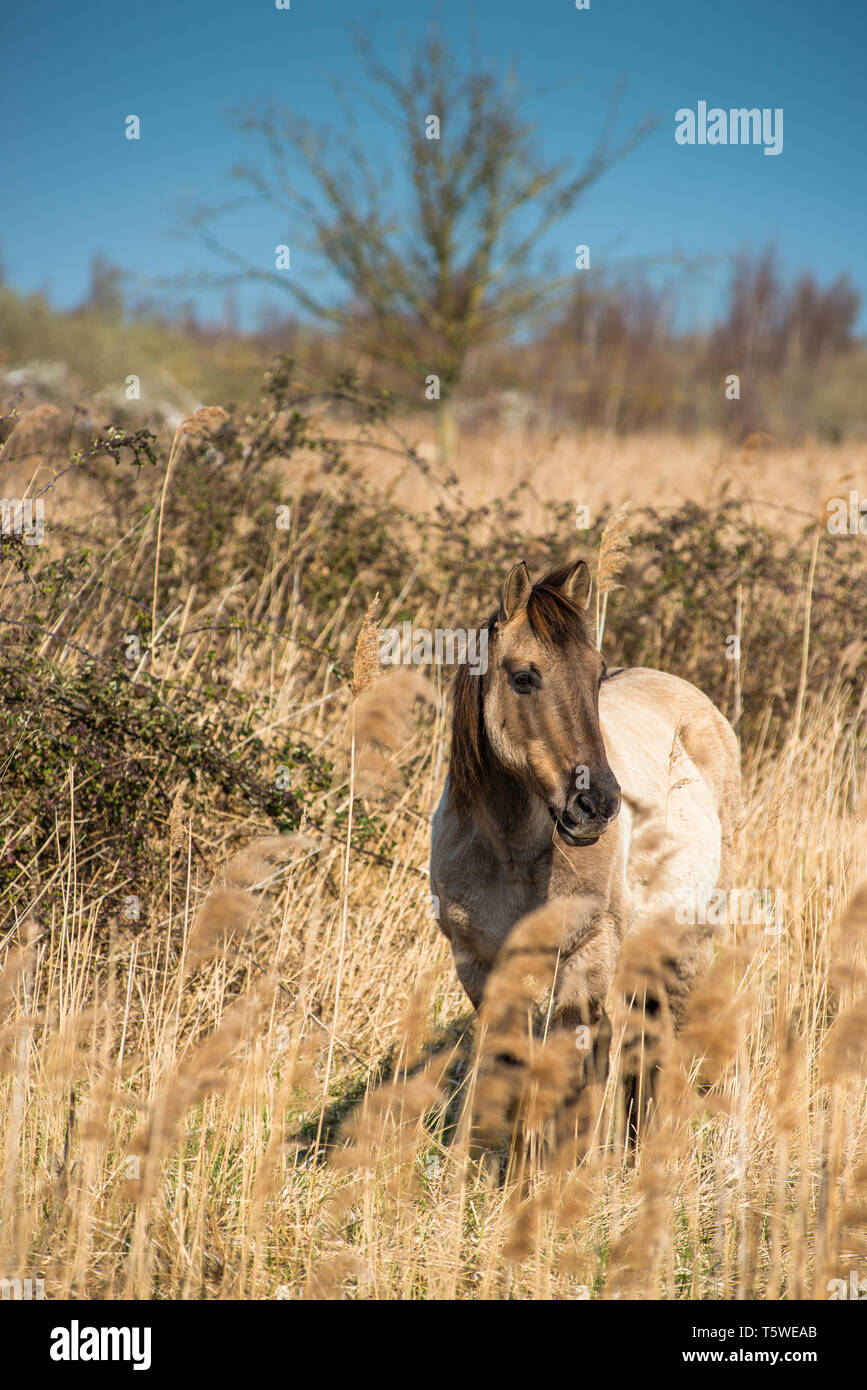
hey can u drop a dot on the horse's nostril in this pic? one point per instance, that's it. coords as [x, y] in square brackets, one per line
[592, 804]
[582, 806]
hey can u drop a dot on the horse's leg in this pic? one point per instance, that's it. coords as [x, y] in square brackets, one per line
[584, 979]
[640, 1068]
[471, 972]
[656, 998]
[496, 1139]
[581, 988]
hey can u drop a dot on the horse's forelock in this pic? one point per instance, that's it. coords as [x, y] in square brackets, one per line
[553, 618]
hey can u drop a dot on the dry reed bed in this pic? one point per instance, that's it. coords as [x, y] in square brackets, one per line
[271, 1087]
[598, 469]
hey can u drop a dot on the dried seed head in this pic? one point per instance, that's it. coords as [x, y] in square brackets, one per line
[366, 665]
[613, 549]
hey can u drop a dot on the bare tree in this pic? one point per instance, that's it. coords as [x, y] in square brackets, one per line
[450, 262]
[771, 323]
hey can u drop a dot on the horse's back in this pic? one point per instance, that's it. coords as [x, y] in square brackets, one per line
[675, 712]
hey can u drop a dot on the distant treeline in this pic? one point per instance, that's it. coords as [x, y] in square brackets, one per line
[613, 358]
[782, 357]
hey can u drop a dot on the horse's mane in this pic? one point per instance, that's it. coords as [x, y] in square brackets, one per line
[556, 622]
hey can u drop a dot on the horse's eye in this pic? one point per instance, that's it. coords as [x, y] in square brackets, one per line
[524, 681]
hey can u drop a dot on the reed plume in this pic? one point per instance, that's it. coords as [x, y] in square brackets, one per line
[613, 551]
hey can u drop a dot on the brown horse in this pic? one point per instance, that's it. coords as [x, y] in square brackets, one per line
[569, 781]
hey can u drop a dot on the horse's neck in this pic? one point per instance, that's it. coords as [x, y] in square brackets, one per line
[513, 822]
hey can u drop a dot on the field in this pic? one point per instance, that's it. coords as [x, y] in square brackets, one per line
[236, 1061]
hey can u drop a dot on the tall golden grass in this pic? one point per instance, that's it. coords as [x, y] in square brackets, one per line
[276, 1090]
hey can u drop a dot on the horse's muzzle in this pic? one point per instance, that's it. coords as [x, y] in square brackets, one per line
[587, 814]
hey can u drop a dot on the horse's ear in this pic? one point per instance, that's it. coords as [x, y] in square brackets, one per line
[578, 584]
[516, 591]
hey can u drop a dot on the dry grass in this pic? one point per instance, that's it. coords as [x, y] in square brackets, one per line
[271, 1087]
[601, 470]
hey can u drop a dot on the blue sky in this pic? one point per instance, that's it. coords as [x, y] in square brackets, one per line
[74, 185]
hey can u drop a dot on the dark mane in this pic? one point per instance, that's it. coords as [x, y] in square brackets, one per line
[554, 621]
[466, 765]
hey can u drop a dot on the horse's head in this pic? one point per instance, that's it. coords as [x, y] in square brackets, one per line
[537, 706]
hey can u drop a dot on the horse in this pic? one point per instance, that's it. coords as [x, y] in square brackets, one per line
[618, 790]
